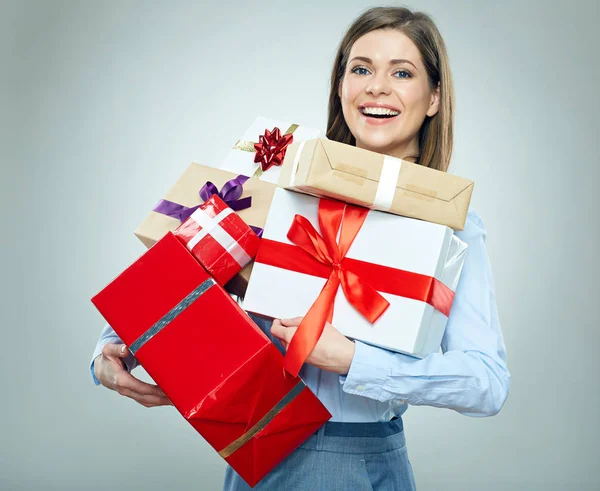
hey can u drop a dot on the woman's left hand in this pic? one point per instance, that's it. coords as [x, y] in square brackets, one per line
[333, 352]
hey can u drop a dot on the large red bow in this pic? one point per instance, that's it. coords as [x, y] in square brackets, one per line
[271, 147]
[328, 252]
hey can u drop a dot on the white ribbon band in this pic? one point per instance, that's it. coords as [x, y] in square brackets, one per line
[387, 183]
[296, 162]
[210, 226]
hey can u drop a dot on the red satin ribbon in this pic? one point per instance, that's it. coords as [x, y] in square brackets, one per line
[324, 250]
[271, 148]
[321, 256]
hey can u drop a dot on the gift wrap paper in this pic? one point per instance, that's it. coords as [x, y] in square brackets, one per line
[186, 192]
[221, 372]
[408, 326]
[326, 168]
[240, 158]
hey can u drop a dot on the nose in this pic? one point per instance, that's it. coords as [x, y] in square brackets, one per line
[379, 85]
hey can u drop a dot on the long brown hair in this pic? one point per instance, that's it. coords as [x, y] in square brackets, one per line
[436, 133]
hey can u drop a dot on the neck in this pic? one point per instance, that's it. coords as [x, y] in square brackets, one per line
[408, 151]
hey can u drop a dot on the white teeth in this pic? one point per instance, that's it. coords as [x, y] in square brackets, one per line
[379, 111]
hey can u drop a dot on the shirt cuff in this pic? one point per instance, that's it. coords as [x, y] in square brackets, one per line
[367, 375]
[96, 381]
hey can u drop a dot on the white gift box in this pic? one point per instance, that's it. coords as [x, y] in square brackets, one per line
[408, 326]
[240, 158]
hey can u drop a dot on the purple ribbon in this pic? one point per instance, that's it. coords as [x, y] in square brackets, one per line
[230, 193]
[174, 210]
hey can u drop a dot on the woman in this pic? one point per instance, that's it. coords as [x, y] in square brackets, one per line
[391, 92]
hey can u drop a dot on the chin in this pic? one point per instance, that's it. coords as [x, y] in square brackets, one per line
[375, 143]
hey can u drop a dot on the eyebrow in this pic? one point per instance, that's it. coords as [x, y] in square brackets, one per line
[392, 62]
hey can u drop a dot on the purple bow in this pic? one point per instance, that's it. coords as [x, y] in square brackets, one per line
[230, 193]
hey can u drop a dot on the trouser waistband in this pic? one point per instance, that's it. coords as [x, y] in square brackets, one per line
[358, 437]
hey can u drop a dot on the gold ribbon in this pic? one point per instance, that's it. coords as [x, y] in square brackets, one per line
[248, 146]
[263, 422]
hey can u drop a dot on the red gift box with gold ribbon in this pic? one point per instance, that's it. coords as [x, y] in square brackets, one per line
[221, 372]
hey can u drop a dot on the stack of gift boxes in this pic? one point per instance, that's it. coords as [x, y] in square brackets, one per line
[298, 226]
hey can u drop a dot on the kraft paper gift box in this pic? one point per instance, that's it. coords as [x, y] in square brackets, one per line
[220, 371]
[184, 196]
[260, 151]
[219, 239]
[414, 265]
[326, 168]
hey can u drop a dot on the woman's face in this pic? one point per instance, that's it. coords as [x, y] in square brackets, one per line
[385, 93]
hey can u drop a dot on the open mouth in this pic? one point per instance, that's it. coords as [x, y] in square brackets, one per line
[378, 112]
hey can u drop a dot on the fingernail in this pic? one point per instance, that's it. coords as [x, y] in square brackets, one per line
[123, 347]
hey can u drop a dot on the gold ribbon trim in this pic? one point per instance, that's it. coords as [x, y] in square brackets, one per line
[258, 172]
[263, 422]
[248, 146]
[245, 145]
[291, 129]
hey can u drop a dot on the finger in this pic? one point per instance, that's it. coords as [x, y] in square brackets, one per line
[281, 332]
[127, 381]
[277, 329]
[293, 322]
[113, 349]
[145, 399]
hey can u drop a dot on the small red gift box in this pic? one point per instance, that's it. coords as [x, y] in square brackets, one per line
[219, 239]
[218, 368]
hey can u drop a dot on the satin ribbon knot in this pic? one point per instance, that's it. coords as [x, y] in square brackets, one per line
[334, 217]
[230, 193]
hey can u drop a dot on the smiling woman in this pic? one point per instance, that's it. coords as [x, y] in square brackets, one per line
[391, 92]
[387, 90]
[391, 88]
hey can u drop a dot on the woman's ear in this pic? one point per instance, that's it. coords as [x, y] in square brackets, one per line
[434, 103]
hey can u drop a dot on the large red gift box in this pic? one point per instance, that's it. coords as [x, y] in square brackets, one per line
[219, 239]
[218, 368]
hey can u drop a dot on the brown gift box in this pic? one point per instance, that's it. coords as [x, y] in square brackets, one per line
[326, 168]
[186, 192]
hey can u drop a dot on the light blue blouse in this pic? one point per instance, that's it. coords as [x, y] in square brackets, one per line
[469, 376]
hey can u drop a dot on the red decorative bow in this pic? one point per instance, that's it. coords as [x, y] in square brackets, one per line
[271, 147]
[326, 251]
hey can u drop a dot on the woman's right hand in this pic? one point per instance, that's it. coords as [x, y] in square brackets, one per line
[109, 369]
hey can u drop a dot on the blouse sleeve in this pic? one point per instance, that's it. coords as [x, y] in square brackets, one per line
[470, 376]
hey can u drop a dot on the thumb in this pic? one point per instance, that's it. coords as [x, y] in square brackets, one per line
[294, 322]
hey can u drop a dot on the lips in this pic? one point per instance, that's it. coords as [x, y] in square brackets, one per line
[378, 114]
[378, 111]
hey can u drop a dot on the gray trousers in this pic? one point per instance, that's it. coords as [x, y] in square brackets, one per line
[341, 457]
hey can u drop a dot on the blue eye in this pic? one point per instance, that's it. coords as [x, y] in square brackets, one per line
[402, 74]
[360, 70]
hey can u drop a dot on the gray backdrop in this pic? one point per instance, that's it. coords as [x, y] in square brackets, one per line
[105, 103]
